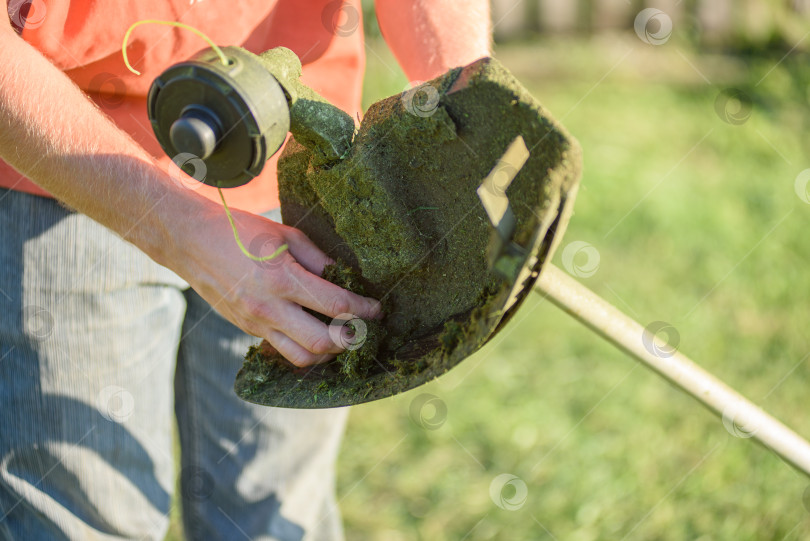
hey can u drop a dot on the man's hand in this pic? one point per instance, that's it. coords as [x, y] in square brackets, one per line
[264, 298]
[51, 132]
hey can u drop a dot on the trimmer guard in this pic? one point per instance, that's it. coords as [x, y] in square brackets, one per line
[400, 211]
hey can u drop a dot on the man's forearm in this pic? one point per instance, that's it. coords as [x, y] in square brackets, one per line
[428, 37]
[52, 132]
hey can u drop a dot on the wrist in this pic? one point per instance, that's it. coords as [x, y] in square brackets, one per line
[168, 227]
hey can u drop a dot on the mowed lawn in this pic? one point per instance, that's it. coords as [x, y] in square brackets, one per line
[697, 222]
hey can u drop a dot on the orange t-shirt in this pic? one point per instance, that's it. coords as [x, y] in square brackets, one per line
[83, 39]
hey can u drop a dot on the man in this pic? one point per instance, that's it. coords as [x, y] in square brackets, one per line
[100, 337]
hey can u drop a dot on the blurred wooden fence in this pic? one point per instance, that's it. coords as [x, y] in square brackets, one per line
[709, 22]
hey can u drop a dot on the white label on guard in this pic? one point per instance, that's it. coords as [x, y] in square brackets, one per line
[492, 191]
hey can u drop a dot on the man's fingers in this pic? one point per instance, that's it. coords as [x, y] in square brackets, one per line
[307, 331]
[318, 294]
[329, 299]
[293, 352]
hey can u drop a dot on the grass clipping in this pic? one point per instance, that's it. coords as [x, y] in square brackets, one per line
[400, 215]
